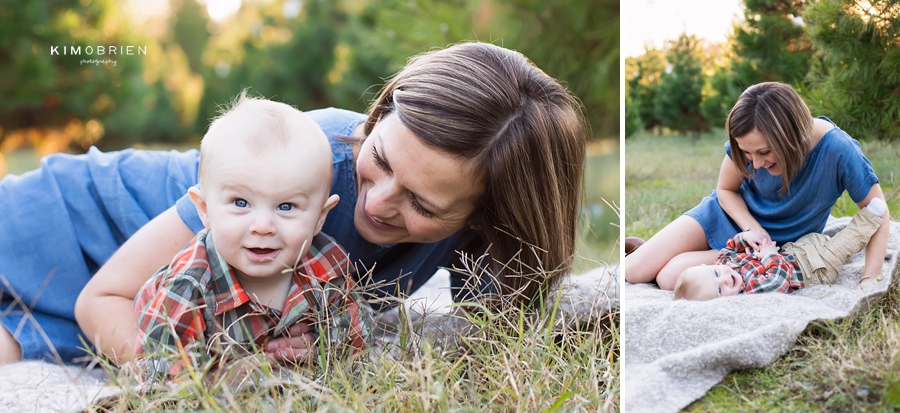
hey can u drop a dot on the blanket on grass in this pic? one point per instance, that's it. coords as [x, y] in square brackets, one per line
[46, 387]
[675, 351]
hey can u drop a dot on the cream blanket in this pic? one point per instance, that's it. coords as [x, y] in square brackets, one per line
[675, 351]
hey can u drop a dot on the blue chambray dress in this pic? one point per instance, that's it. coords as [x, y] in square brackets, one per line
[60, 223]
[834, 165]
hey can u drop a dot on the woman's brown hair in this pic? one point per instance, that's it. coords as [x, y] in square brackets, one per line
[525, 135]
[778, 112]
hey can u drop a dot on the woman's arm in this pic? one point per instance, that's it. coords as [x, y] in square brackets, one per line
[877, 246]
[104, 307]
[728, 192]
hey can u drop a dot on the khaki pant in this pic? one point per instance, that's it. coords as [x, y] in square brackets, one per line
[821, 257]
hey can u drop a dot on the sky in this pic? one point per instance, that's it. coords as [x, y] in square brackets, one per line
[655, 21]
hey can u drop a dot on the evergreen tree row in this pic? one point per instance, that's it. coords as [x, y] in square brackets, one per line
[309, 53]
[843, 56]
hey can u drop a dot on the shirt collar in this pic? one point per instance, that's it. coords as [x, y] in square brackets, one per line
[324, 262]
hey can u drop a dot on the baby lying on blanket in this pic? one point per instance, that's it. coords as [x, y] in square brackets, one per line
[814, 259]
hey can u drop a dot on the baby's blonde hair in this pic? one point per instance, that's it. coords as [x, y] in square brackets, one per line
[267, 125]
[686, 287]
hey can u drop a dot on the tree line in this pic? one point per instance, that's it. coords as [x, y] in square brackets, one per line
[309, 53]
[842, 56]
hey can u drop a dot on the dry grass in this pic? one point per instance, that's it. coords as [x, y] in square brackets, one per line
[513, 361]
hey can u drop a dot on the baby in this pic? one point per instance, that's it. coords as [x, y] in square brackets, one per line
[813, 259]
[261, 264]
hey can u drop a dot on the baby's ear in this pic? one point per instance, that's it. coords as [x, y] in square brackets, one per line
[200, 203]
[330, 203]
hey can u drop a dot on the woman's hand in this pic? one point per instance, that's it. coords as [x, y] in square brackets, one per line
[296, 348]
[755, 240]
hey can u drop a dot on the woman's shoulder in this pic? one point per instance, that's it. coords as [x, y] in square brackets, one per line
[835, 141]
[338, 124]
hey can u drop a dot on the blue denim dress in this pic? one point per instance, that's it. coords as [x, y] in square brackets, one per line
[834, 165]
[60, 223]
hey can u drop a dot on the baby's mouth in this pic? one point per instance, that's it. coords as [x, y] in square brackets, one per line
[262, 254]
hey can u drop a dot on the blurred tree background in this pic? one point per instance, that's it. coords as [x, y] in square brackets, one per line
[308, 53]
[843, 56]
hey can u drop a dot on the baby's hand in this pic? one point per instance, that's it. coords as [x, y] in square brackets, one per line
[296, 348]
[766, 248]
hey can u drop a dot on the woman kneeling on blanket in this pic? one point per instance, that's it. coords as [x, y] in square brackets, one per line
[787, 173]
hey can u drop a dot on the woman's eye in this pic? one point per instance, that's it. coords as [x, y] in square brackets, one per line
[764, 153]
[241, 203]
[285, 207]
[378, 161]
[418, 207]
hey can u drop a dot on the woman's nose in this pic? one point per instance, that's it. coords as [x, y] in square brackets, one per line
[381, 201]
[758, 163]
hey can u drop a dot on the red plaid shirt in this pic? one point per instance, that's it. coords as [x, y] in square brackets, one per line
[198, 297]
[775, 273]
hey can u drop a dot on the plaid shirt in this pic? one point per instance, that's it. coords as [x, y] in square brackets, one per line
[775, 273]
[198, 297]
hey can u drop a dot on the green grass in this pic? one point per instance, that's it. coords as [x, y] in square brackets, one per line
[599, 232]
[848, 365]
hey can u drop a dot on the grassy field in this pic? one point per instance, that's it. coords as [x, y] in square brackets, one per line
[849, 365]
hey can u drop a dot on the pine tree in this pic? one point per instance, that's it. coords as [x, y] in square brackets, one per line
[632, 114]
[722, 87]
[679, 94]
[770, 44]
[643, 76]
[855, 76]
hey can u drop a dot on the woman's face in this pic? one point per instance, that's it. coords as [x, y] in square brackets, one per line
[408, 192]
[756, 148]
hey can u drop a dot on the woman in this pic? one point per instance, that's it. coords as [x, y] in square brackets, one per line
[787, 173]
[435, 168]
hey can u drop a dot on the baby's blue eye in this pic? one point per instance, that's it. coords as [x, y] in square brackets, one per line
[241, 203]
[285, 207]
[717, 273]
[720, 290]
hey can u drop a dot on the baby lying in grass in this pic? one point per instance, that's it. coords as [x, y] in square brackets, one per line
[261, 265]
[814, 259]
